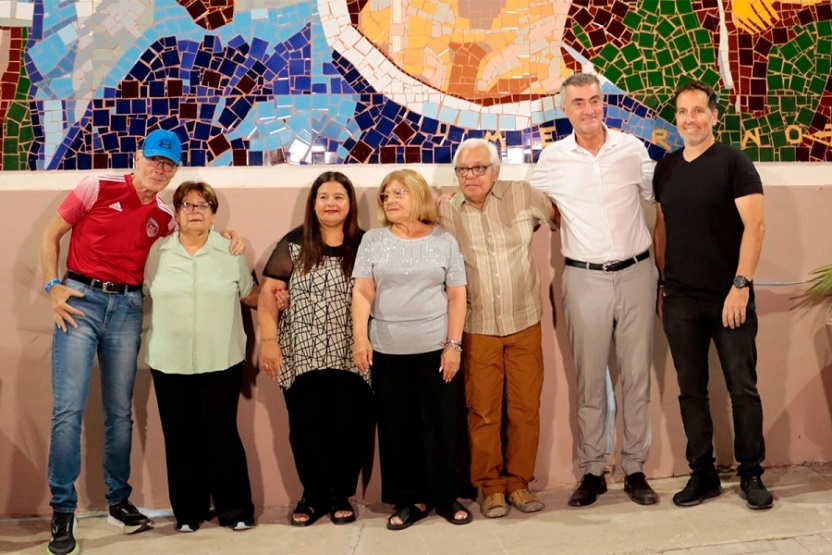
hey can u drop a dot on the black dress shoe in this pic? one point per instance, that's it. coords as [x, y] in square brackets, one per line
[698, 488]
[639, 490]
[588, 491]
[756, 495]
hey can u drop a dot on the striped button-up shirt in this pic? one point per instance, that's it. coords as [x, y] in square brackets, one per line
[503, 279]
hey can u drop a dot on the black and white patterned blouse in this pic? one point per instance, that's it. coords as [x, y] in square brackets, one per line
[316, 330]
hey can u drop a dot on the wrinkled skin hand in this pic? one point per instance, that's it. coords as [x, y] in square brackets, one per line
[62, 311]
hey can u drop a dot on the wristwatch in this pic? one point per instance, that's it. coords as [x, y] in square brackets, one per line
[741, 281]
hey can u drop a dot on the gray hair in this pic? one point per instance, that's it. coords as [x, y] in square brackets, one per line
[578, 80]
[493, 153]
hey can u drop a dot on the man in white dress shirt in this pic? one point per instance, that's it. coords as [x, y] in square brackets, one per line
[597, 178]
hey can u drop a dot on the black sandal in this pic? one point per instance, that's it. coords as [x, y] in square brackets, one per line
[341, 505]
[304, 508]
[449, 513]
[409, 515]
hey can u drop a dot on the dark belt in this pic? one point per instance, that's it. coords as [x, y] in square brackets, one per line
[106, 286]
[609, 266]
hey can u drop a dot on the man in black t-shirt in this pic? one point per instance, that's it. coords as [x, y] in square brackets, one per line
[708, 237]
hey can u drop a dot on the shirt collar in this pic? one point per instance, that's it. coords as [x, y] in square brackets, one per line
[611, 139]
[215, 241]
[496, 191]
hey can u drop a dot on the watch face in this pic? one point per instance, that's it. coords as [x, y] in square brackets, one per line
[740, 282]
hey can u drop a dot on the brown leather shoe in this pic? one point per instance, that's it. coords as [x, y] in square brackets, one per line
[494, 505]
[525, 501]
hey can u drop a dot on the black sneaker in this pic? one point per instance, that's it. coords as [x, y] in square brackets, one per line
[756, 496]
[63, 541]
[699, 488]
[126, 516]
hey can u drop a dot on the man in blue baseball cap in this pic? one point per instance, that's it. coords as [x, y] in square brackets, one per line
[97, 308]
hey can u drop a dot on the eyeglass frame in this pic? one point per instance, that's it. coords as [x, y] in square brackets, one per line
[398, 194]
[477, 171]
[200, 207]
[160, 162]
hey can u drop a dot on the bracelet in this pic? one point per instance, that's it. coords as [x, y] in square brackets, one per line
[453, 344]
[50, 284]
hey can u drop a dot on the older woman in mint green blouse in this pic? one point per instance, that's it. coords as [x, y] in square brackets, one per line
[196, 353]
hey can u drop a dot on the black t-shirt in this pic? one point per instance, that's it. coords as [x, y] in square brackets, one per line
[703, 225]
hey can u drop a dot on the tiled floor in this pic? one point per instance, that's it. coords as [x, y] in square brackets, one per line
[800, 522]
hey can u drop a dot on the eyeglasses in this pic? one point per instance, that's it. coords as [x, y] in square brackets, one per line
[462, 171]
[157, 162]
[398, 194]
[196, 206]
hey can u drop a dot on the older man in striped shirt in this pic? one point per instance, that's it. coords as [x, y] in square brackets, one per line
[502, 356]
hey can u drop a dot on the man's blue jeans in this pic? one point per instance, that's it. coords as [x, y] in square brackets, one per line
[112, 328]
[691, 324]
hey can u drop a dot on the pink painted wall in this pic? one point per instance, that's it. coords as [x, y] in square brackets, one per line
[795, 361]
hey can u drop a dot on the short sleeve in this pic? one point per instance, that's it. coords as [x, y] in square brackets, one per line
[540, 203]
[364, 257]
[455, 275]
[280, 265]
[80, 201]
[245, 283]
[746, 178]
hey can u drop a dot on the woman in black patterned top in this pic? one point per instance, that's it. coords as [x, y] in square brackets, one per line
[307, 346]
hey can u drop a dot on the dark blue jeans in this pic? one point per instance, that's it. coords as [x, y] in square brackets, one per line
[691, 324]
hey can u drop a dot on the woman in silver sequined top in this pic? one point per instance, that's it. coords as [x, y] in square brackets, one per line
[408, 311]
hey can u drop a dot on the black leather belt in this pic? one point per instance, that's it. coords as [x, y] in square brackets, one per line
[106, 286]
[609, 266]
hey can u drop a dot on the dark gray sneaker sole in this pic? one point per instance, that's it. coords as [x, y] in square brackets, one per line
[132, 528]
[698, 501]
[753, 507]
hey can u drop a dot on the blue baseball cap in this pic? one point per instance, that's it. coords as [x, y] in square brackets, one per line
[163, 143]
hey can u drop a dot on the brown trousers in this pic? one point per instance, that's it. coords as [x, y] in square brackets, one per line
[503, 383]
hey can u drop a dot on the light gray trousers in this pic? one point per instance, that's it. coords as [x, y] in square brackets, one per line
[601, 307]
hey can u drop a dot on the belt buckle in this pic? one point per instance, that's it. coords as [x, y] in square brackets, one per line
[608, 266]
[110, 287]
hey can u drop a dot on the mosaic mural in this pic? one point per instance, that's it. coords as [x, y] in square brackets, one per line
[262, 82]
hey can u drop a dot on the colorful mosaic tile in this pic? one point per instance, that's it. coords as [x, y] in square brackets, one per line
[397, 81]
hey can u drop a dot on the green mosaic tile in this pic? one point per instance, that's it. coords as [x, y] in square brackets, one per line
[797, 83]
[665, 57]
[645, 40]
[711, 77]
[788, 154]
[787, 103]
[631, 52]
[16, 112]
[804, 40]
[613, 74]
[655, 79]
[817, 84]
[779, 139]
[822, 65]
[824, 46]
[805, 116]
[609, 53]
[765, 154]
[632, 19]
[775, 64]
[581, 35]
[689, 19]
[787, 51]
[27, 134]
[668, 8]
[633, 82]
[665, 28]
[689, 62]
[682, 44]
[12, 128]
[803, 64]
[668, 113]
[9, 144]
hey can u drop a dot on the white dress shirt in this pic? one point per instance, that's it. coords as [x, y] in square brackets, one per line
[598, 196]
